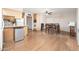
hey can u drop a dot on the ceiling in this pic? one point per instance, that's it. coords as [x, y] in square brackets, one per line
[54, 10]
[43, 10]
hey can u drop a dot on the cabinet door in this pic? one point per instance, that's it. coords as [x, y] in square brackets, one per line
[9, 18]
[8, 35]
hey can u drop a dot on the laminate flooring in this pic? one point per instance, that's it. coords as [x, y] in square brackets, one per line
[41, 41]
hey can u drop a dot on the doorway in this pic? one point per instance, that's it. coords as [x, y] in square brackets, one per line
[29, 22]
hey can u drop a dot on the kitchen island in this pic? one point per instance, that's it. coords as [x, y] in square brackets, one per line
[14, 33]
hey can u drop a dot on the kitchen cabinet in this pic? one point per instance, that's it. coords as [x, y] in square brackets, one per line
[9, 18]
[13, 34]
[8, 35]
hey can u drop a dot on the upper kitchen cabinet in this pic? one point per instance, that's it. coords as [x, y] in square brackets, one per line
[9, 18]
[12, 12]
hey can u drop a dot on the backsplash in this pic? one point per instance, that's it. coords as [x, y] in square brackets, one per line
[8, 23]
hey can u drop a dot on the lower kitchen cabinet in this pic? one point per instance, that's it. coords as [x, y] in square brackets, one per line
[8, 34]
[13, 34]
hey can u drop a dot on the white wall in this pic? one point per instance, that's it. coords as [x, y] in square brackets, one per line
[1, 30]
[63, 19]
[78, 27]
[40, 19]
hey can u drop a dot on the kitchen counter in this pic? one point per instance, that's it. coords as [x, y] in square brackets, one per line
[14, 26]
[18, 32]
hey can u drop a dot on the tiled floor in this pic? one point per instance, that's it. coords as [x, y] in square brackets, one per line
[41, 41]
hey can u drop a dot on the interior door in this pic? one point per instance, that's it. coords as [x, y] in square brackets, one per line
[29, 22]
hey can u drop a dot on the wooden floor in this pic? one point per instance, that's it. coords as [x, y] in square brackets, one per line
[41, 41]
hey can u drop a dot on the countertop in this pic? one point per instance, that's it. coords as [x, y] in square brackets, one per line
[14, 26]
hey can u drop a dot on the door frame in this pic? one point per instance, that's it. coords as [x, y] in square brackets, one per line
[27, 21]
